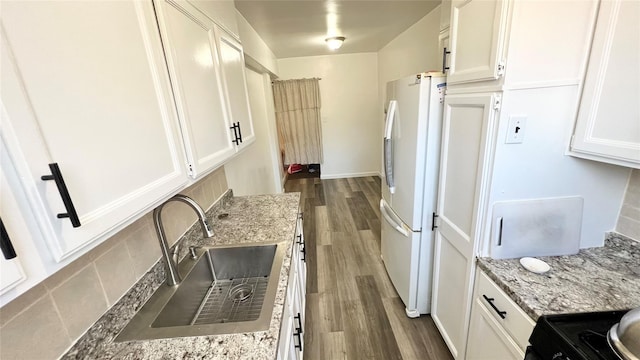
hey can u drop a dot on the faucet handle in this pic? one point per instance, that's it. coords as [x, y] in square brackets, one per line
[192, 251]
[208, 231]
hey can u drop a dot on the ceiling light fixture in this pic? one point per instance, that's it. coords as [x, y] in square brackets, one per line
[335, 42]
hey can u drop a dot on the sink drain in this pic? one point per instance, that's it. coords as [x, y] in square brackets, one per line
[240, 292]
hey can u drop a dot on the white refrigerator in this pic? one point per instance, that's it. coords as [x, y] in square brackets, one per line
[412, 135]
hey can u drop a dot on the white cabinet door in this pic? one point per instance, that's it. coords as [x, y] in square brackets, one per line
[608, 122]
[88, 89]
[10, 266]
[190, 48]
[478, 29]
[445, 51]
[487, 339]
[468, 127]
[235, 82]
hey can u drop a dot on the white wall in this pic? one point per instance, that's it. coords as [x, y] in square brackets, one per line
[415, 50]
[254, 170]
[540, 168]
[350, 111]
[254, 47]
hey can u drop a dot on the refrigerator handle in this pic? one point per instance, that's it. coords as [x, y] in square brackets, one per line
[392, 222]
[388, 146]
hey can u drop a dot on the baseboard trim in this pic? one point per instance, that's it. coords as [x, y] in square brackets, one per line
[349, 175]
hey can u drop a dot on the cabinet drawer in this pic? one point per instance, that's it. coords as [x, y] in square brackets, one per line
[517, 324]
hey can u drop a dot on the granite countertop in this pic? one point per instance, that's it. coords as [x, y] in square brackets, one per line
[252, 219]
[595, 279]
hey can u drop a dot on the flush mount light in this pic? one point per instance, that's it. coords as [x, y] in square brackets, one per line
[335, 42]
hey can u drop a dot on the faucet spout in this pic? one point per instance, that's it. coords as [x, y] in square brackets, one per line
[171, 257]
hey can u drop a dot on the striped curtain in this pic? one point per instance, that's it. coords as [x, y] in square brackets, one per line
[297, 106]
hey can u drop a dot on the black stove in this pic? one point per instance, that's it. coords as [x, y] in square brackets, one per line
[580, 336]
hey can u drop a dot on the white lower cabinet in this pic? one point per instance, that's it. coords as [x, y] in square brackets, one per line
[498, 328]
[291, 342]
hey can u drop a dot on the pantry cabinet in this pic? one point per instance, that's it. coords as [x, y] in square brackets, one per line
[498, 329]
[87, 90]
[196, 77]
[477, 40]
[608, 122]
[468, 138]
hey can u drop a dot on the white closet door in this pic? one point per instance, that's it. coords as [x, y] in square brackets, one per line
[468, 126]
[478, 30]
[88, 89]
[189, 45]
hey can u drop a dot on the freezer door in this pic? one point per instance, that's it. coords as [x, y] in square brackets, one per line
[400, 254]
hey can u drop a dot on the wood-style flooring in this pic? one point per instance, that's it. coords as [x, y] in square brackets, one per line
[353, 311]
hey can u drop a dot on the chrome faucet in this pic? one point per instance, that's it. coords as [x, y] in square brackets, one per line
[171, 254]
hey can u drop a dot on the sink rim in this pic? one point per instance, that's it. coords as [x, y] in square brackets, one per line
[139, 326]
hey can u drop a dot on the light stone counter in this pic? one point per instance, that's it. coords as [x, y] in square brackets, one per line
[595, 279]
[251, 219]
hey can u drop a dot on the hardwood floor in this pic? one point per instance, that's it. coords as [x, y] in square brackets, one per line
[353, 311]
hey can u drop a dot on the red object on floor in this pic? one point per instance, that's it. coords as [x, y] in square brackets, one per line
[294, 168]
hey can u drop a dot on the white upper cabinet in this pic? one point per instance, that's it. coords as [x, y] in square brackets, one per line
[235, 85]
[222, 12]
[84, 86]
[478, 29]
[190, 49]
[445, 15]
[608, 122]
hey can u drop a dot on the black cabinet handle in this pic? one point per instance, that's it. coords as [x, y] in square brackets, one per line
[299, 236]
[444, 60]
[304, 252]
[503, 314]
[239, 132]
[5, 243]
[56, 175]
[297, 334]
[235, 140]
[299, 328]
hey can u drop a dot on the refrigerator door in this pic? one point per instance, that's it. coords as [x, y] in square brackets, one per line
[408, 135]
[400, 254]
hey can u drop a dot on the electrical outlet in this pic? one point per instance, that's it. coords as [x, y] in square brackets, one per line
[515, 131]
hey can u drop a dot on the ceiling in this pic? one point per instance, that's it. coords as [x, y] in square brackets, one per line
[298, 28]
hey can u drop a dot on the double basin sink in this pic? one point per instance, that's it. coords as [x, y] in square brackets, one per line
[225, 290]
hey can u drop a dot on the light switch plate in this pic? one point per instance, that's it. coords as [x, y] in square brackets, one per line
[516, 129]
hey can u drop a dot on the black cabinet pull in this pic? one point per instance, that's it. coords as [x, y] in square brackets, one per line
[297, 317]
[56, 175]
[444, 60]
[235, 134]
[239, 132]
[299, 236]
[304, 252]
[503, 314]
[297, 334]
[5, 243]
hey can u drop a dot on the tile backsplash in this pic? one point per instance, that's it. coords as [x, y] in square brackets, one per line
[629, 219]
[46, 320]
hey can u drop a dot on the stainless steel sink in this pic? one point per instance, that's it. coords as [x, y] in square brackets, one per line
[225, 290]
